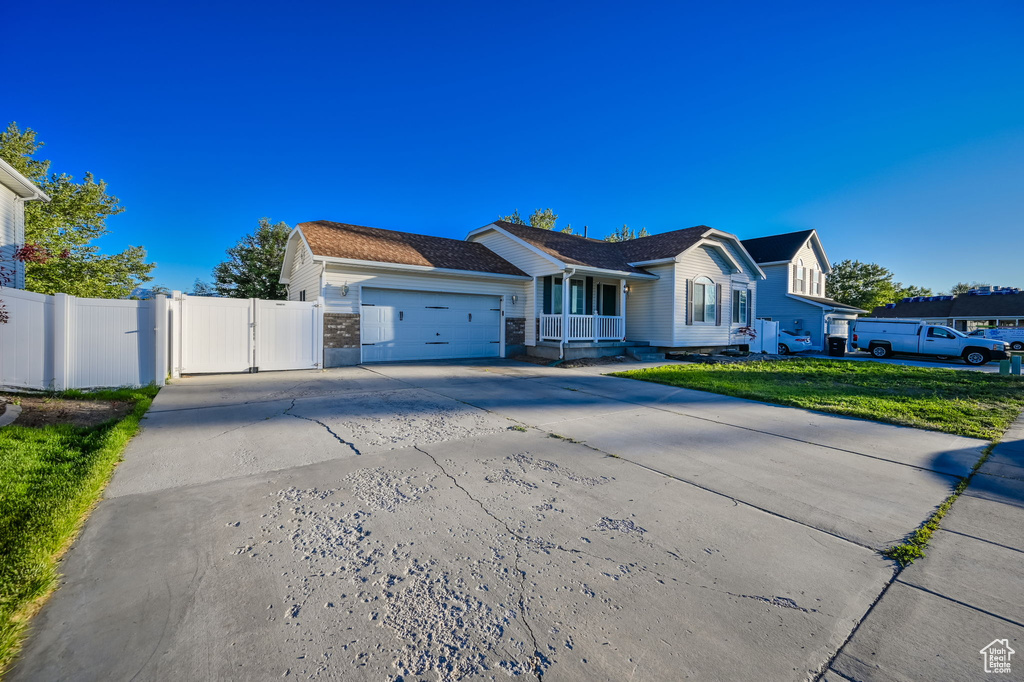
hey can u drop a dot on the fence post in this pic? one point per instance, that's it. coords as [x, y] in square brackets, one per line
[175, 327]
[160, 339]
[318, 333]
[61, 340]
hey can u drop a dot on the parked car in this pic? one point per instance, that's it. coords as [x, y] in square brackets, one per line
[792, 343]
[883, 338]
[1011, 335]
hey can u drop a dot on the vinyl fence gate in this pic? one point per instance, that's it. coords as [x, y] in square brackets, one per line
[213, 335]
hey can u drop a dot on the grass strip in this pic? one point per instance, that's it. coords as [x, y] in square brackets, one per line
[913, 547]
[961, 402]
[50, 478]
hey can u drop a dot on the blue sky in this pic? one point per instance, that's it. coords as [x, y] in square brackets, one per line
[895, 129]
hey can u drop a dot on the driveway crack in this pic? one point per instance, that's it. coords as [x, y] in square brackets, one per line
[537, 660]
[317, 421]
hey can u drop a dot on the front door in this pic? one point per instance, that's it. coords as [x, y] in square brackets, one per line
[608, 299]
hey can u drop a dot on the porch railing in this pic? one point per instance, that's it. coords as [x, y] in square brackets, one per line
[583, 327]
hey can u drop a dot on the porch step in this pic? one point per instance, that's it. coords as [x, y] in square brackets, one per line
[640, 354]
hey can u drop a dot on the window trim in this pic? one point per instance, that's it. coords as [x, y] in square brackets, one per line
[708, 284]
[739, 295]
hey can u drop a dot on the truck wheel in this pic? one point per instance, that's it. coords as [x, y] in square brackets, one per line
[1017, 345]
[975, 357]
[881, 351]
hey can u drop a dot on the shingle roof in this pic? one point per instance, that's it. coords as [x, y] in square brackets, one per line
[1009, 305]
[577, 250]
[829, 302]
[341, 240]
[777, 247]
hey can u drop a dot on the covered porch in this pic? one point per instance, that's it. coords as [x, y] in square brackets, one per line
[589, 308]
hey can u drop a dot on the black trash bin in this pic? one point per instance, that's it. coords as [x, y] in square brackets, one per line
[836, 346]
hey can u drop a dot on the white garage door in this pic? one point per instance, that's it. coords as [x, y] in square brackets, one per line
[418, 325]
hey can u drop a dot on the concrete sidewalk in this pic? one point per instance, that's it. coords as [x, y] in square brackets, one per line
[933, 622]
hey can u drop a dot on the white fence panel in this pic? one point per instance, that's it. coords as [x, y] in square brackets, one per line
[216, 334]
[289, 334]
[767, 337]
[26, 341]
[60, 342]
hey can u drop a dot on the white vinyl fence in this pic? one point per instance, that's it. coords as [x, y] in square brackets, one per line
[767, 340]
[61, 342]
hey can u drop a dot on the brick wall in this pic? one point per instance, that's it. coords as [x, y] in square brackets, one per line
[341, 330]
[515, 331]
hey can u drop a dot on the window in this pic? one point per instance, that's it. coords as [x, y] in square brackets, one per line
[939, 333]
[577, 297]
[739, 306]
[556, 296]
[798, 285]
[816, 282]
[704, 300]
[302, 295]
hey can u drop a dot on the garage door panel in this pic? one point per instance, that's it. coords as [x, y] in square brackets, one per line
[411, 325]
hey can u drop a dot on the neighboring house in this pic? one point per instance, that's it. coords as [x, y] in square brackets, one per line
[511, 288]
[15, 190]
[793, 295]
[981, 307]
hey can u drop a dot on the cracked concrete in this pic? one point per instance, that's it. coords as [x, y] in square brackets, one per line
[386, 523]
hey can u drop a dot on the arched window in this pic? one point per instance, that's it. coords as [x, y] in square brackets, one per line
[798, 285]
[705, 300]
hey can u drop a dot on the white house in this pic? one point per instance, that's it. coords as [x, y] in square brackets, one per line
[797, 267]
[15, 190]
[512, 288]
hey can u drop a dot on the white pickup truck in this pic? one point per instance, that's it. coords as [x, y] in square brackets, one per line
[883, 338]
[1011, 335]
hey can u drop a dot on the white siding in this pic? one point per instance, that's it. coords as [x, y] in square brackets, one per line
[338, 276]
[811, 262]
[518, 255]
[305, 275]
[649, 307]
[12, 235]
[708, 262]
[530, 263]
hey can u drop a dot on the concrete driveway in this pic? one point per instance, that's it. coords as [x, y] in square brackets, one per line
[484, 520]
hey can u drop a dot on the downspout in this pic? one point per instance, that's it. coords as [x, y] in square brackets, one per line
[565, 311]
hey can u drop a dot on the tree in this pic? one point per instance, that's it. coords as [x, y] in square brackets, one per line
[62, 231]
[254, 264]
[624, 234]
[515, 218]
[866, 285]
[201, 288]
[543, 219]
[964, 287]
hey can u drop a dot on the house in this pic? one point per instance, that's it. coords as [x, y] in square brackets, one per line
[15, 190]
[509, 289]
[793, 294]
[980, 307]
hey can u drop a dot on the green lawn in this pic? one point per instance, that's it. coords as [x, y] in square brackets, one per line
[50, 477]
[955, 401]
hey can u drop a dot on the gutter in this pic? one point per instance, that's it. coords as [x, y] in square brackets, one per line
[565, 315]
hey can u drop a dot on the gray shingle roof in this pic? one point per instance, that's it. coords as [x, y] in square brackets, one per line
[777, 247]
[1009, 305]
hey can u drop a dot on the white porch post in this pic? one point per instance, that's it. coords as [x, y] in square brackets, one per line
[622, 306]
[565, 307]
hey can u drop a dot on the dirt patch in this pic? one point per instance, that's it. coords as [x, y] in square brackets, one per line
[579, 362]
[43, 411]
[703, 359]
